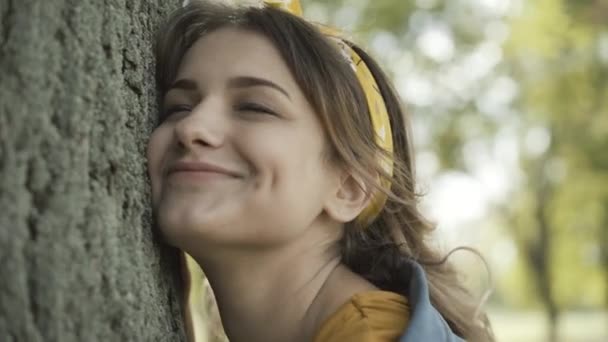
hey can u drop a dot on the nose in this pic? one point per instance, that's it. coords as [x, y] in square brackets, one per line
[204, 126]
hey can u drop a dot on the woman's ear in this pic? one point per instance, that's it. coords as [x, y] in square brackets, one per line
[348, 199]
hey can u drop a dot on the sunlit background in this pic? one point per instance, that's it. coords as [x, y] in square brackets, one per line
[510, 116]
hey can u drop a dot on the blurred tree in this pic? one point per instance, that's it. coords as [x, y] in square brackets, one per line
[558, 52]
[473, 72]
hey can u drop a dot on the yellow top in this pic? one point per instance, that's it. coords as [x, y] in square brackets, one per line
[372, 316]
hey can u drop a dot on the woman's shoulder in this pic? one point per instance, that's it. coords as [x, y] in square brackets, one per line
[378, 315]
[368, 316]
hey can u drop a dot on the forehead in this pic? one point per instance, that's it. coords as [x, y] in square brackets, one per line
[231, 52]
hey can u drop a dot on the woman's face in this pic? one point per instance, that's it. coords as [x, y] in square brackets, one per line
[238, 158]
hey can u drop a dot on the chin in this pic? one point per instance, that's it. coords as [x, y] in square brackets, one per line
[171, 233]
[218, 227]
[188, 231]
[176, 226]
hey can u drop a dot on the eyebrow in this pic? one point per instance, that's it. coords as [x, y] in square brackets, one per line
[184, 84]
[237, 82]
[250, 81]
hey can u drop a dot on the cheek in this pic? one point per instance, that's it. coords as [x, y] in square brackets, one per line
[277, 157]
[289, 167]
[157, 147]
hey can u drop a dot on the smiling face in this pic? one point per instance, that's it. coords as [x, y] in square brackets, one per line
[239, 157]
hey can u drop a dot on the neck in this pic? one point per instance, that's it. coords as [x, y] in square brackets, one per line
[274, 294]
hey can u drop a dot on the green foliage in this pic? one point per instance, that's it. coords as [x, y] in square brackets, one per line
[557, 55]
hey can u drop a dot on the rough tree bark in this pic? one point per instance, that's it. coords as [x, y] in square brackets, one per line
[79, 260]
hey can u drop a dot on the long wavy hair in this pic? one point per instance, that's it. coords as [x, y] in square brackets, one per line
[380, 251]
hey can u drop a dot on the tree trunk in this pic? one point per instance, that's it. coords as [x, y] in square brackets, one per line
[541, 258]
[604, 251]
[79, 260]
[540, 249]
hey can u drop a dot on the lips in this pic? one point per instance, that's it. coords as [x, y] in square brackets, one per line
[200, 167]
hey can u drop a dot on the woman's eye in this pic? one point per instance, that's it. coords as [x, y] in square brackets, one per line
[175, 109]
[254, 107]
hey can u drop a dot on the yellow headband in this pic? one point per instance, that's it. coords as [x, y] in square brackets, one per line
[375, 102]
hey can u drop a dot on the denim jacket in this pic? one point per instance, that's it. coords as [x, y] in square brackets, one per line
[426, 324]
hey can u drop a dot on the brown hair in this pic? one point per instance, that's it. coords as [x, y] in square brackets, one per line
[380, 251]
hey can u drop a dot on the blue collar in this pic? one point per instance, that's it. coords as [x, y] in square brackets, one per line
[426, 324]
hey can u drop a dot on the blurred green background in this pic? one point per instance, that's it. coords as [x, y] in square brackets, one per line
[509, 103]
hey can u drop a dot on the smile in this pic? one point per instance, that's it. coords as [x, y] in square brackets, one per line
[199, 175]
[199, 171]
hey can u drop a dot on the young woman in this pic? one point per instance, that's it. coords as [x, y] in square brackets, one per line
[282, 164]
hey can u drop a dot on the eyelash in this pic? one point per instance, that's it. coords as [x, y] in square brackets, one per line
[247, 106]
[254, 107]
[174, 109]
